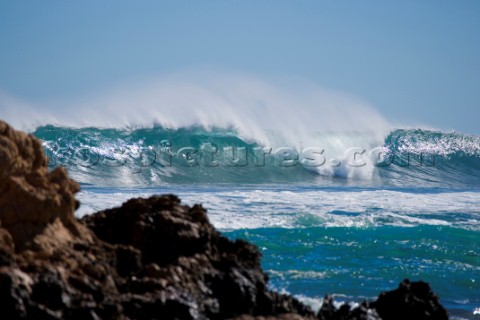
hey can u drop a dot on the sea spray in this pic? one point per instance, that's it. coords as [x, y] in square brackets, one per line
[155, 156]
[238, 118]
[251, 107]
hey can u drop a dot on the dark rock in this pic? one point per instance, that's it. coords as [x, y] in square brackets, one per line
[49, 291]
[187, 262]
[412, 300]
[328, 310]
[163, 231]
[14, 292]
[128, 260]
[6, 248]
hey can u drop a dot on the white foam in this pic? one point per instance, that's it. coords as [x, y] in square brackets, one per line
[247, 209]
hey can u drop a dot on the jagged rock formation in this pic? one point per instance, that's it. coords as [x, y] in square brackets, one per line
[411, 300]
[175, 256]
[36, 206]
[148, 259]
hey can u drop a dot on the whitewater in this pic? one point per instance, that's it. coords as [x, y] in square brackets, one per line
[338, 199]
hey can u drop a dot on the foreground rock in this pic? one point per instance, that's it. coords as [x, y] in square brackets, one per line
[175, 258]
[149, 259]
[36, 206]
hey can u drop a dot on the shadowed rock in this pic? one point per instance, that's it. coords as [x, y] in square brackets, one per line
[412, 300]
[186, 261]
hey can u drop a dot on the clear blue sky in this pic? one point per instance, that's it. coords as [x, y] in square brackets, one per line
[416, 61]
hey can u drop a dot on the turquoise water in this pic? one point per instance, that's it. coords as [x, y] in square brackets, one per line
[353, 224]
[358, 263]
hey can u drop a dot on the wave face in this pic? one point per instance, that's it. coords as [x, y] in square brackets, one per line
[423, 157]
[158, 155]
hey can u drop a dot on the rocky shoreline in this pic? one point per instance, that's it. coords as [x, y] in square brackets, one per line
[148, 259]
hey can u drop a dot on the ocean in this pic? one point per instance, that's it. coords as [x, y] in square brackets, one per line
[346, 213]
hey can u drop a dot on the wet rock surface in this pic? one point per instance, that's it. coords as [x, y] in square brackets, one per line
[148, 259]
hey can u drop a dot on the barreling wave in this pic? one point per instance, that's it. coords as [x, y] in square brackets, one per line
[158, 155]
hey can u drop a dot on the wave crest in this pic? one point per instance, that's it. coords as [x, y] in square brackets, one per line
[149, 156]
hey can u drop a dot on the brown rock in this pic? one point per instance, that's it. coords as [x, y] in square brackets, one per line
[32, 198]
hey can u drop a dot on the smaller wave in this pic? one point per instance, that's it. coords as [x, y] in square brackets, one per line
[444, 144]
[424, 157]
